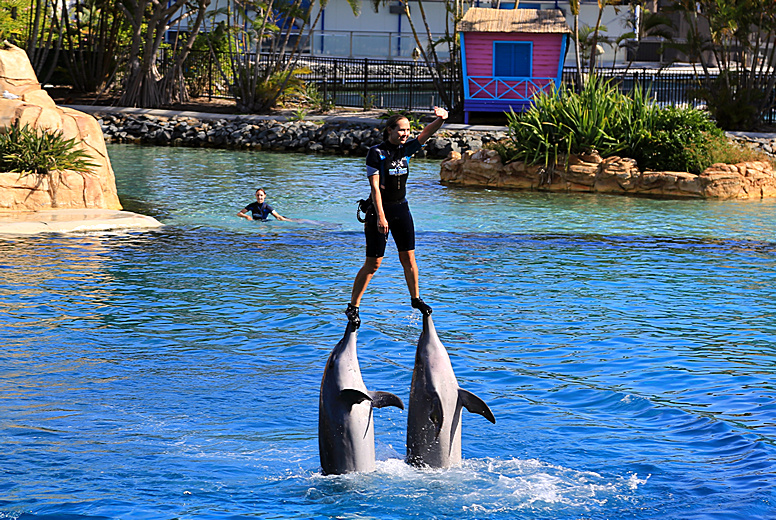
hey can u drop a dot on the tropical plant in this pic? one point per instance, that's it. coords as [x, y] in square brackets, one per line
[208, 54]
[41, 37]
[589, 40]
[574, 5]
[267, 57]
[315, 99]
[741, 37]
[595, 36]
[144, 85]
[80, 38]
[426, 45]
[27, 151]
[601, 118]
[563, 122]
[298, 115]
[282, 88]
[12, 19]
[368, 101]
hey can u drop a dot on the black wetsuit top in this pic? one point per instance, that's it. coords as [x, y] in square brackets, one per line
[259, 211]
[392, 163]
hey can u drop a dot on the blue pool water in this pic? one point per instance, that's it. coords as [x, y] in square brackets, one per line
[627, 348]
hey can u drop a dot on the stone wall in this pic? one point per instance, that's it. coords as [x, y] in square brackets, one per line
[334, 137]
[23, 102]
[613, 175]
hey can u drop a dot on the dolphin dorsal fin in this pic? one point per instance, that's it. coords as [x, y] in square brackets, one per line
[383, 399]
[437, 414]
[475, 405]
[353, 396]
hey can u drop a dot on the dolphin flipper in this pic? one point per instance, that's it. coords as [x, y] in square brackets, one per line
[383, 399]
[437, 414]
[353, 396]
[475, 405]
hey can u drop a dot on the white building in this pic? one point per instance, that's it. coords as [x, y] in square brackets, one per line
[387, 33]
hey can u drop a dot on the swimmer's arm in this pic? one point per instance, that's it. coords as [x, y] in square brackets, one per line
[435, 125]
[377, 200]
[244, 214]
[279, 216]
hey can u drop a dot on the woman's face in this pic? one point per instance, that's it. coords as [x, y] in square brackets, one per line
[399, 133]
[260, 196]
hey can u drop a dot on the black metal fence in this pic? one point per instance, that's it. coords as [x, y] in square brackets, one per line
[400, 84]
[347, 82]
[665, 87]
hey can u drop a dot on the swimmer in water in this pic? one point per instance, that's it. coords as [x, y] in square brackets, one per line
[260, 210]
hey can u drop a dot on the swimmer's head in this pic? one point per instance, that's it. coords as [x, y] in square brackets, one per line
[261, 195]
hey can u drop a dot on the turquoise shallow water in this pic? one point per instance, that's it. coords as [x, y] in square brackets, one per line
[626, 346]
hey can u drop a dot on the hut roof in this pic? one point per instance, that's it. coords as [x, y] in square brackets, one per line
[480, 19]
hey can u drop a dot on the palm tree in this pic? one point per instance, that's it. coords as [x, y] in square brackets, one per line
[574, 4]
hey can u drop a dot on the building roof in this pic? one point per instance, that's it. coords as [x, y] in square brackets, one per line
[480, 19]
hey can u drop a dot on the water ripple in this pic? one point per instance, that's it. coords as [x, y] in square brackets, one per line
[626, 346]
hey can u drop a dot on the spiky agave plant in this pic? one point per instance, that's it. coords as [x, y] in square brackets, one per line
[562, 122]
[26, 151]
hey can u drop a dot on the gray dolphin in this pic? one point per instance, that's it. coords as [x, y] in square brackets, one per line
[434, 414]
[346, 437]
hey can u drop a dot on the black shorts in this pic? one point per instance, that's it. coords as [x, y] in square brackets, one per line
[400, 226]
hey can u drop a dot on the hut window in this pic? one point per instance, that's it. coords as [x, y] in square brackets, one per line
[512, 59]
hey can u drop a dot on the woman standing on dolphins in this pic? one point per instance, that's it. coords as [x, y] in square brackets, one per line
[387, 168]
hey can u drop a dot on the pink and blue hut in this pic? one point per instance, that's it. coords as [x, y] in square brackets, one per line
[509, 55]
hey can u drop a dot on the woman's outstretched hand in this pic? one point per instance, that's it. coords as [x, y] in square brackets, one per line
[440, 112]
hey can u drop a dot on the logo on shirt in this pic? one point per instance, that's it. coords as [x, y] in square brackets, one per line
[399, 167]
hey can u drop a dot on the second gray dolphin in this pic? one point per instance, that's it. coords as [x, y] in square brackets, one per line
[346, 437]
[436, 400]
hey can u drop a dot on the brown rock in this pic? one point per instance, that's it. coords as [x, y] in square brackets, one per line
[591, 157]
[582, 173]
[612, 175]
[518, 175]
[617, 175]
[35, 108]
[16, 73]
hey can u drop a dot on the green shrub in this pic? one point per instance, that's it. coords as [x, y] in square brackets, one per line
[563, 122]
[279, 88]
[723, 151]
[676, 139]
[733, 104]
[314, 99]
[601, 118]
[26, 151]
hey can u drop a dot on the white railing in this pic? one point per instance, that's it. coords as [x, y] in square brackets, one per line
[361, 44]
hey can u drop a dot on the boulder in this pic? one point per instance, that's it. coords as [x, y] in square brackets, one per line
[614, 175]
[32, 106]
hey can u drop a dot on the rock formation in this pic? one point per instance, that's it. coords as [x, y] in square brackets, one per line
[338, 136]
[613, 175]
[22, 101]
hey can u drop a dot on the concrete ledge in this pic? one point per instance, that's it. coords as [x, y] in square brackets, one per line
[73, 221]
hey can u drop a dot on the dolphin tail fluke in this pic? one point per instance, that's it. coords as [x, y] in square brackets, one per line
[475, 405]
[383, 399]
[353, 396]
